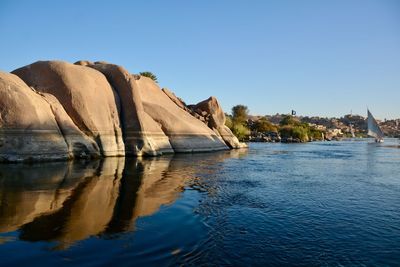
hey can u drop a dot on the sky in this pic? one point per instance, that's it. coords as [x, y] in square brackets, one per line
[325, 58]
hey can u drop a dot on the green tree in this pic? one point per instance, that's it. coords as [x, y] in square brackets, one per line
[237, 122]
[149, 75]
[240, 114]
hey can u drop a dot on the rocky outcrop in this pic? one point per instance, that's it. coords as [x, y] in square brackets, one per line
[28, 129]
[79, 145]
[185, 132]
[214, 117]
[86, 96]
[142, 135]
[53, 110]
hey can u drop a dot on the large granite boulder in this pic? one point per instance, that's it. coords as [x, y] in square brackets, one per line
[215, 119]
[28, 129]
[185, 132]
[79, 145]
[86, 96]
[142, 135]
[52, 110]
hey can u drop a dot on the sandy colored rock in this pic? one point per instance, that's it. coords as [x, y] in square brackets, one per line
[142, 135]
[216, 121]
[57, 110]
[185, 132]
[83, 63]
[178, 101]
[79, 145]
[28, 129]
[86, 96]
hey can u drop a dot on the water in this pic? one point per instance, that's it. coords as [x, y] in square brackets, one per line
[315, 204]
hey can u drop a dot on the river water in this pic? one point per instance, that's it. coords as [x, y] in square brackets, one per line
[314, 204]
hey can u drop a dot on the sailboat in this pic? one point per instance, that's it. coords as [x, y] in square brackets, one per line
[373, 128]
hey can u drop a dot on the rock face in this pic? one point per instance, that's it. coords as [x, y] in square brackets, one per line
[86, 96]
[53, 110]
[215, 119]
[185, 132]
[79, 145]
[28, 129]
[142, 135]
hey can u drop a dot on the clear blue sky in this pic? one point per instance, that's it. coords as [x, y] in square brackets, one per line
[316, 57]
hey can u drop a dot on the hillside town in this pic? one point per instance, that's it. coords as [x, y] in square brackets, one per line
[291, 128]
[330, 128]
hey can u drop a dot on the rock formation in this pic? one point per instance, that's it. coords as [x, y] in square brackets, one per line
[54, 110]
[142, 135]
[86, 96]
[185, 132]
[28, 129]
[215, 119]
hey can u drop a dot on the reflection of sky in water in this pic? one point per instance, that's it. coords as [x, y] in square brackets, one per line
[312, 204]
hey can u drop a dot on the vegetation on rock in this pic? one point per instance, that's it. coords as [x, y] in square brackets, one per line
[264, 125]
[150, 75]
[292, 129]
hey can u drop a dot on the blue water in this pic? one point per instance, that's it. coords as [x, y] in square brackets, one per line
[314, 204]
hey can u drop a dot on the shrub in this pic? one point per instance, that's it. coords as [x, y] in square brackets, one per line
[295, 132]
[263, 125]
[228, 121]
[150, 75]
[241, 131]
[315, 134]
[300, 133]
[289, 120]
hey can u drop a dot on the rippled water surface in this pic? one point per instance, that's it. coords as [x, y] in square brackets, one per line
[315, 204]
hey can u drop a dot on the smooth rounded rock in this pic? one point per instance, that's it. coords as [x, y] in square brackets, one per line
[28, 128]
[86, 96]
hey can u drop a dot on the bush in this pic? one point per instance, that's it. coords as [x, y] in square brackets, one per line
[315, 134]
[289, 120]
[228, 121]
[150, 75]
[241, 131]
[263, 125]
[296, 132]
[286, 131]
[300, 133]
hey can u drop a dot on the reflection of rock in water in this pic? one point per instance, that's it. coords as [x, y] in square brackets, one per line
[86, 212]
[68, 202]
[28, 191]
[139, 177]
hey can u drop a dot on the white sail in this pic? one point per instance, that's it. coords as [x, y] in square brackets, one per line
[373, 128]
